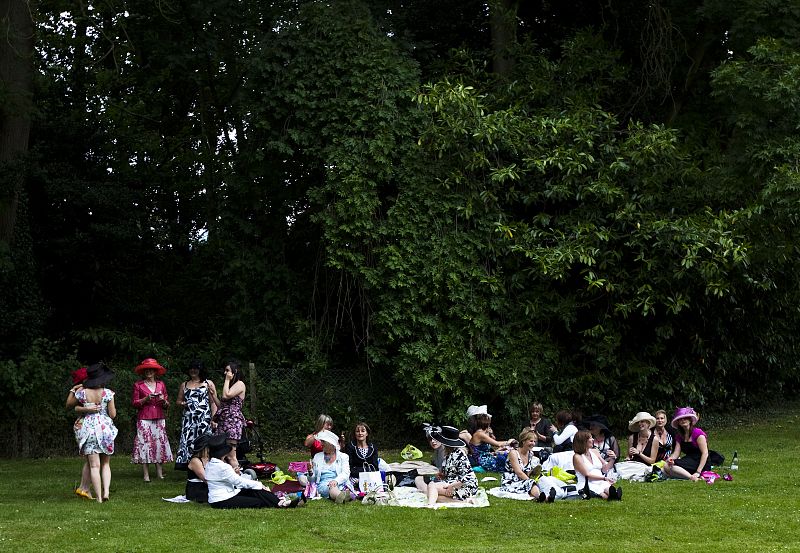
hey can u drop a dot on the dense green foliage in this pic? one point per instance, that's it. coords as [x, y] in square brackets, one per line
[608, 221]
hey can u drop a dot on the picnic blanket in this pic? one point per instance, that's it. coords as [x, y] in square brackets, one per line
[411, 497]
[420, 466]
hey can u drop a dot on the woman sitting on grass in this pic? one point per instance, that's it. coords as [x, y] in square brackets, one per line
[196, 487]
[362, 453]
[481, 452]
[228, 490]
[563, 431]
[591, 470]
[693, 443]
[330, 469]
[459, 482]
[521, 466]
[642, 446]
[664, 435]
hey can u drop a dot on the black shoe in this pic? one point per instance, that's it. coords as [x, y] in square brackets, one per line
[541, 497]
[619, 494]
[612, 493]
[551, 496]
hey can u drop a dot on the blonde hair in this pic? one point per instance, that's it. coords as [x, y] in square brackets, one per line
[526, 435]
[322, 420]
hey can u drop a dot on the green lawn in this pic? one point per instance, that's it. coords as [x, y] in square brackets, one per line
[758, 511]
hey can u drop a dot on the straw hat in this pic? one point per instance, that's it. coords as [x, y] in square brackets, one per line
[633, 424]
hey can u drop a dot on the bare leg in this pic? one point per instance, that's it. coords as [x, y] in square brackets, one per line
[145, 472]
[674, 471]
[94, 473]
[419, 482]
[105, 475]
[86, 478]
[535, 492]
[230, 458]
[158, 471]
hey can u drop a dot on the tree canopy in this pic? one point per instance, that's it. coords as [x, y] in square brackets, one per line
[592, 204]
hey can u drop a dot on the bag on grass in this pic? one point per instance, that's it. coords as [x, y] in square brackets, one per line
[410, 452]
[369, 480]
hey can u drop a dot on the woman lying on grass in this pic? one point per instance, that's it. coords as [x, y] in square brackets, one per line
[459, 482]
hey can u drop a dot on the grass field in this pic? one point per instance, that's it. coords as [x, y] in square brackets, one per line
[758, 511]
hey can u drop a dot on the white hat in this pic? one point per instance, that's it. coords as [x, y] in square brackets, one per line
[633, 425]
[328, 436]
[477, 410]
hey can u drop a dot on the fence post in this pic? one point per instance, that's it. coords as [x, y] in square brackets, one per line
[253, 399]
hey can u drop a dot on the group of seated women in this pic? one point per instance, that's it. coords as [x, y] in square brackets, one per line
[585, 447]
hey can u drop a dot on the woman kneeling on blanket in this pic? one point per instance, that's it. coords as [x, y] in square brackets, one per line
[459, 482]
[521, 466]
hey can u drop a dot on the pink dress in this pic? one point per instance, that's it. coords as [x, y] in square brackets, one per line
[151, 444]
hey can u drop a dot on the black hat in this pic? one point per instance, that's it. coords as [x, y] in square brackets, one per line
[97, 375]
[218, 445]
[200, 443]
[448, 435]
[597, 420]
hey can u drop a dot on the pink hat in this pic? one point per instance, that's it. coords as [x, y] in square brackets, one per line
[684, 413]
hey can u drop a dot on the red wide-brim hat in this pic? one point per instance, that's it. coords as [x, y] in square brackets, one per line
[148, 364]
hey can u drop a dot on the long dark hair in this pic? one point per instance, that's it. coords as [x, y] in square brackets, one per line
[236, 367]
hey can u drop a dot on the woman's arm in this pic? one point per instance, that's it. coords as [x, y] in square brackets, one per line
[566, 433]
[513, 457]
[481, 436]
[212, 394]
[164, 394]
[702, 445]
[650, 456]
[139, 397]
[310, 439]
[676, 451]
[230, 392]
[112, 409]
[342, 468]
[180, 402]
[580, 465]
[196, 466]
[72, 401]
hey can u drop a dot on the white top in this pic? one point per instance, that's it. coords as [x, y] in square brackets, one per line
[341, 465]
[566, 433]
[224, 483]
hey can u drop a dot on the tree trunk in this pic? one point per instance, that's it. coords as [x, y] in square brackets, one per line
[503, 24]
[16, 78]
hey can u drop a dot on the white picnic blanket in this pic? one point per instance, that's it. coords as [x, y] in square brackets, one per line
[411, 497]
[421, 466]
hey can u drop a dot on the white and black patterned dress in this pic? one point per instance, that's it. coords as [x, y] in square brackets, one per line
[456, 467]
[513, 483]
[196, 422]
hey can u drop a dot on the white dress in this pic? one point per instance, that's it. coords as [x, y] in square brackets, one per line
[592, 458]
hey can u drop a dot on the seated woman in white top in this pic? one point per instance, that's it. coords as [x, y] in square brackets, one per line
[563, 431]
[591, 469]
[330, 469]
[228, 490]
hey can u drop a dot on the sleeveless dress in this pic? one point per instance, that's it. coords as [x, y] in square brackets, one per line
[596, 464]
[196, 422]
[511, 482]
[230, 419]
[95, 432]
[483, 456]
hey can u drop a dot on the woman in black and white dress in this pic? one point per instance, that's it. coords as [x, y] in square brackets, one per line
[198, 398]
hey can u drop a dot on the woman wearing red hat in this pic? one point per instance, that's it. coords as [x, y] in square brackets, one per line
[78, 376]
[150, 399]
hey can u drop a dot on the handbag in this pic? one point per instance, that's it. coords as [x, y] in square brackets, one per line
[369, 480]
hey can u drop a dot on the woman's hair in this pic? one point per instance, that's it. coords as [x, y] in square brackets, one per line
[536, 405]
[196, 364]
[203, 453]
[580, 442]
[235, 366]
[662, 412]
[563, 418]
[321, 421]
[366, 426]
[482, 421]
[526, 435]
[472, 424]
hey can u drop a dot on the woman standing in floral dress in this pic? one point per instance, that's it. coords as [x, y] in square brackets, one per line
[198, 398]
[229, 417]
[95, 436]
[150, 399]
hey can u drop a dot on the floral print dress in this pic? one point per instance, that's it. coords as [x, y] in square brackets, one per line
[230, 419]
[511, 482]
[95, 432]
[456, 468]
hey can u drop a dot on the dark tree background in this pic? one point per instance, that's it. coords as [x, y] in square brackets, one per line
[416, 205]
